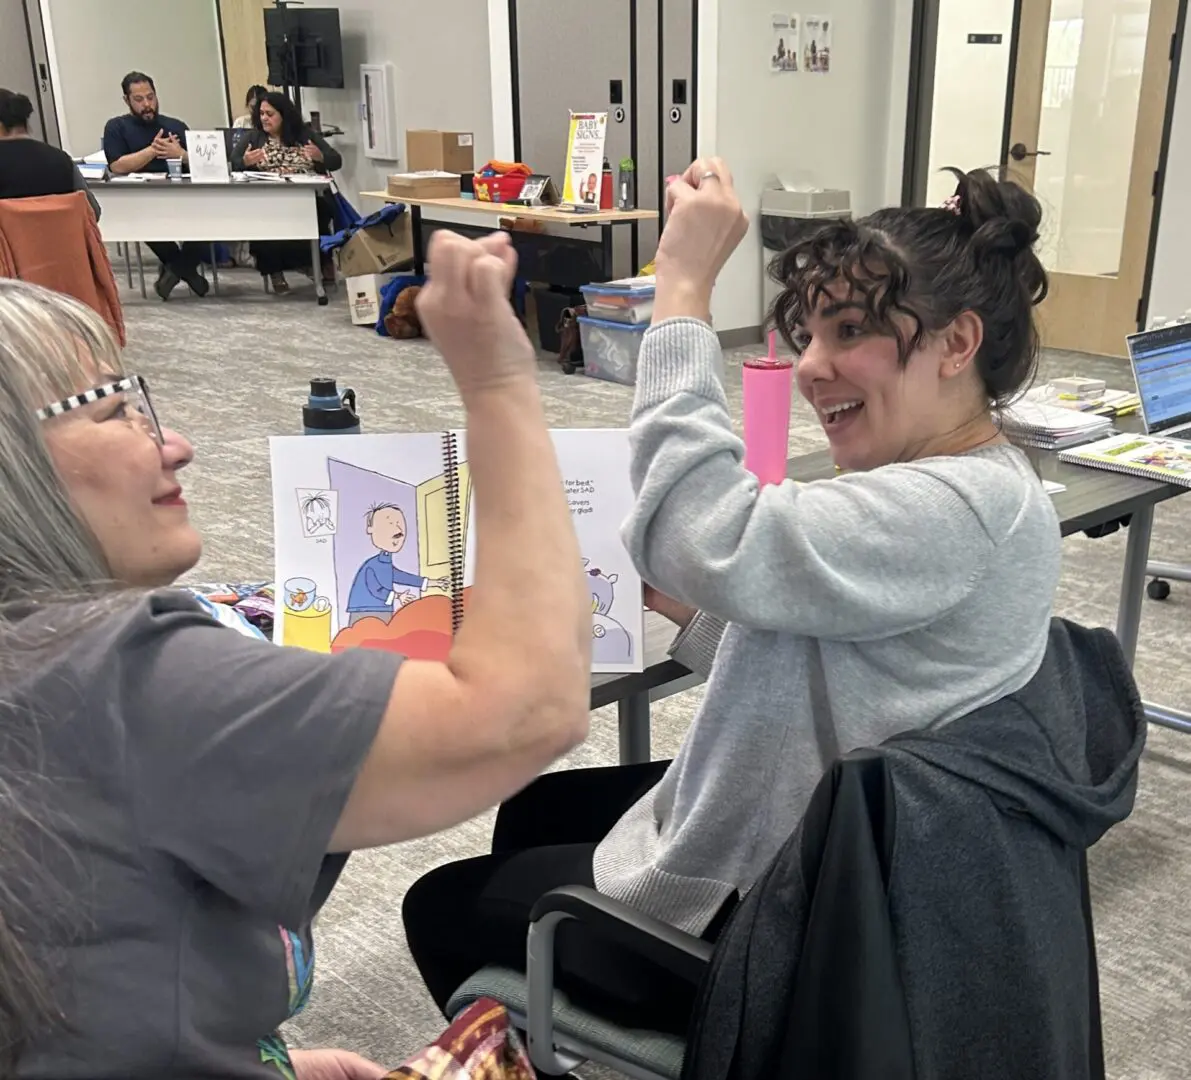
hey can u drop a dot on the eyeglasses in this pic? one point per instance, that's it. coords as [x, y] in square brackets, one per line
[136, 401]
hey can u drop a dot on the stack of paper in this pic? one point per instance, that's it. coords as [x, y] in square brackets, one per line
[1051, 427]
[1111, 403]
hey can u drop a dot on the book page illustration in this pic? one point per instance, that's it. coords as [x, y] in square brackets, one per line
[363, 559]
[320, 511]
[364, 541]
[595, 471]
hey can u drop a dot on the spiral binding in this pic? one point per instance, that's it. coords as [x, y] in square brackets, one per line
[455, 541]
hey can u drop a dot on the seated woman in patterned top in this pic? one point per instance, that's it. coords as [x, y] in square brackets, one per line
[282, 142]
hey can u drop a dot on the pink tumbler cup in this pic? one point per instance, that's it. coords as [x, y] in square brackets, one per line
[768, 387]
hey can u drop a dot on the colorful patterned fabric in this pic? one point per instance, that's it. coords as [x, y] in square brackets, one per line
[480, 1045]
[287, 160]
[252, 601]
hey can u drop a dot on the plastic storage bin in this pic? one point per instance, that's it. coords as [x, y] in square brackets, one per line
[497, 189]
[629, 301]
[610, 349]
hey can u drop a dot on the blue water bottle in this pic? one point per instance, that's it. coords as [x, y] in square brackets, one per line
[328, 412]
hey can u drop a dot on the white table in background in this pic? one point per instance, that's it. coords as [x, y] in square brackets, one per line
[181, 210]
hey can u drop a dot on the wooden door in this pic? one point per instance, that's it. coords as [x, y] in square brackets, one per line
[243, 26]
[1085, 133]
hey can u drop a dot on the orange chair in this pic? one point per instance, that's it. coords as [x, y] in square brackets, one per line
[54, 241]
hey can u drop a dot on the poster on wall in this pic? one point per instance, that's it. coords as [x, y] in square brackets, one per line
[783, 46]
[816, 36]
[585, 159]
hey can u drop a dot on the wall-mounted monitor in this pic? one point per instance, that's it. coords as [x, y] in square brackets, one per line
[304, 47]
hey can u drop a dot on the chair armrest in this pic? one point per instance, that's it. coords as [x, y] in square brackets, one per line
[678, 952]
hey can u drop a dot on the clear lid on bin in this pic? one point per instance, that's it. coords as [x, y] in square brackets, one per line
[637, 287]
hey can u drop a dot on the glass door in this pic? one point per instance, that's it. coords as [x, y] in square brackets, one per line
[1085, 133]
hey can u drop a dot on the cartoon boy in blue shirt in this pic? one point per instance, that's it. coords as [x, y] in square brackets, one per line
[379, 586]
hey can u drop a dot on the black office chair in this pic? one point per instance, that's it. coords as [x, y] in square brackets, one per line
[1162, 574]
[562, 1035]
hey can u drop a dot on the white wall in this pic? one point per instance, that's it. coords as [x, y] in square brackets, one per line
[93, 44]
[968, 107]
[440, 54]
[841, 130]
[501, 73]
[1170, 286]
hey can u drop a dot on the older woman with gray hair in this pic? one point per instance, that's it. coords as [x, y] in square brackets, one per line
[181, 798]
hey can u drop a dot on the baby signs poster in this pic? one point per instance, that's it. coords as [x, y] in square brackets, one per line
[375, 541]
[585, 159]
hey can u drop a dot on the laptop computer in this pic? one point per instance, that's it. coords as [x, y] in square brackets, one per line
[233, 138]
[1161, 362]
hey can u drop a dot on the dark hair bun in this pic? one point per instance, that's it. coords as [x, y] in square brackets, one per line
[1004, 219]
[15, 109]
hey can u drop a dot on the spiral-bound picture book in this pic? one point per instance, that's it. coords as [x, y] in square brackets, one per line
[375, 541]
[1148, 456]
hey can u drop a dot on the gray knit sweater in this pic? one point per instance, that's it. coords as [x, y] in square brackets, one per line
[856, 608]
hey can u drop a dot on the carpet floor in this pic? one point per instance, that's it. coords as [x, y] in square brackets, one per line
[228, 371]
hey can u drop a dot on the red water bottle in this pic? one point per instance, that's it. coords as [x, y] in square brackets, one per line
[606, 185]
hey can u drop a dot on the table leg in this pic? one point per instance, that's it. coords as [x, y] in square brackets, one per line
[636, 235]
[415, 225]
[607, 253]
[316, 263]
[1133, 580]
[1133, 584]
[128, 263]
[140, 269]
[633, 714]
[214, 269]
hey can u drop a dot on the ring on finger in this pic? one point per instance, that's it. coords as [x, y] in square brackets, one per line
[709, 175]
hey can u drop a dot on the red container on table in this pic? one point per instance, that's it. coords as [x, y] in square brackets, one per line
[607, 183]
[498, 189]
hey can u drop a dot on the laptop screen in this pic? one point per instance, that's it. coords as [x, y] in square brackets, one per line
[233, 137]
[1161, 362]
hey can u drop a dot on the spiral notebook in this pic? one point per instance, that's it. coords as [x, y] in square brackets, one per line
[1150, 456]
[1051, 427]
[375, 545]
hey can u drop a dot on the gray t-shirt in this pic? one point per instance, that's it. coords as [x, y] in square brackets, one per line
[192, 781]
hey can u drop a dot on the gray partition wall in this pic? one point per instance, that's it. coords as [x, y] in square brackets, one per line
[634, 58]
[24, 65]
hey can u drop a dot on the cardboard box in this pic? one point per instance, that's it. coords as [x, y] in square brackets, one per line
[363, 297]
[444, 151]
[377, 249]
[424, 185]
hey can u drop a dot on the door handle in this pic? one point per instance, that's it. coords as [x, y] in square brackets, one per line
[1019, 152]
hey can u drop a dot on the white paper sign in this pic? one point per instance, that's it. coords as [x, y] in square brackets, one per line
[208, 157]
[816, 39]
[783, 46]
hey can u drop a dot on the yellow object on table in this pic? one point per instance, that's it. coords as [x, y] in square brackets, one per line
[309, 629]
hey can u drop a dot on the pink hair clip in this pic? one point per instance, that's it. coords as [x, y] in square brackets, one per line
[952, 205]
